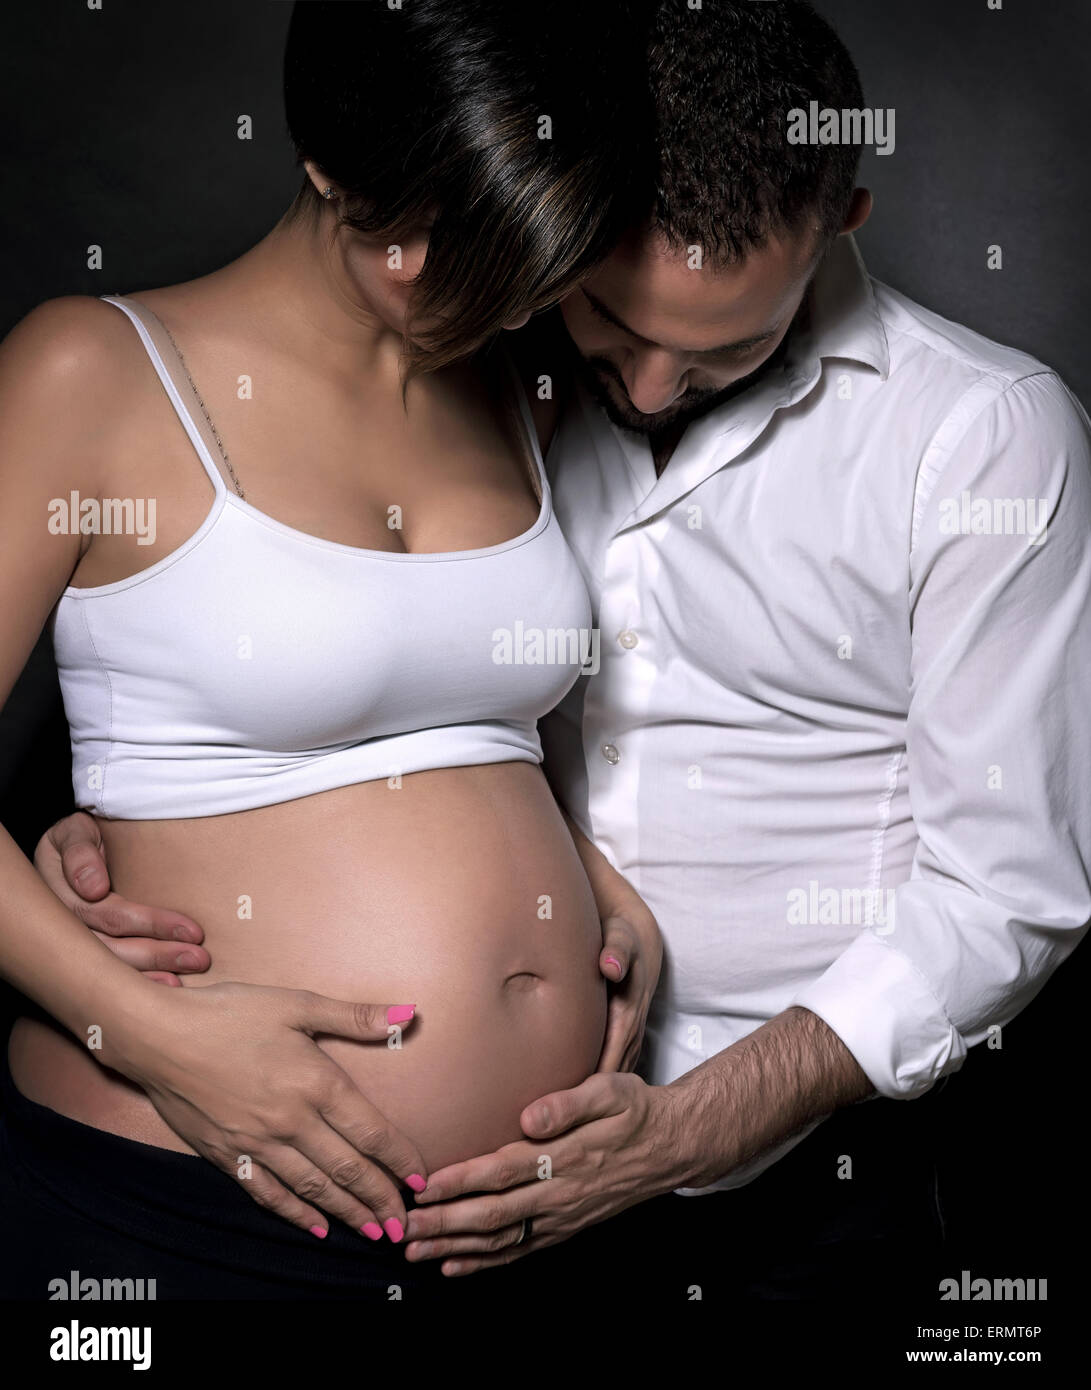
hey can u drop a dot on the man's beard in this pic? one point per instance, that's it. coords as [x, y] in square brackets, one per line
[595, 372]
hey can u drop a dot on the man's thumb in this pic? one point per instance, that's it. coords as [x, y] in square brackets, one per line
[77, 842]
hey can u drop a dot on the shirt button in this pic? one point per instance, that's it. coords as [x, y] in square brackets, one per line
[628, 638]
[610, 753]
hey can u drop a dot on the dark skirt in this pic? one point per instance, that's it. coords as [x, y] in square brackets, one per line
[77, 1203]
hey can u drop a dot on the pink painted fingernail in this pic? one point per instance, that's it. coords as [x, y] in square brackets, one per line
[416, 1182]
[394, 1229]
[372, 1230]
[400, 1013]
[319, 1232]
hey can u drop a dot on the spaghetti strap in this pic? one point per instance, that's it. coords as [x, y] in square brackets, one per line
[176, 382]
[522, 409]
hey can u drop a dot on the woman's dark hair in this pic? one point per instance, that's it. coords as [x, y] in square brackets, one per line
[519, 128]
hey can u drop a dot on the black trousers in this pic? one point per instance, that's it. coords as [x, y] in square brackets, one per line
[802, 1231]
[76, 1199]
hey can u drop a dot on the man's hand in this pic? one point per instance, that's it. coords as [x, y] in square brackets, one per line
[71, 859]
[593, 1151]
[615, 1141]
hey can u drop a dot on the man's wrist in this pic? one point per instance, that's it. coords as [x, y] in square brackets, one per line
[759, 1092]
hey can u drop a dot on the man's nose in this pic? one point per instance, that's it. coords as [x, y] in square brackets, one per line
[654, 379]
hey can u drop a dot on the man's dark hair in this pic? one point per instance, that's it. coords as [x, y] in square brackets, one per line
[723, 80]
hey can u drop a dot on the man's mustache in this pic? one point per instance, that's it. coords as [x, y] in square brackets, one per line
[694, 396]
[695, 401]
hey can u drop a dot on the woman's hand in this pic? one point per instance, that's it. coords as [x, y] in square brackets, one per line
[235, 1071]
[71, 858]
[630, 959]
[631, 956]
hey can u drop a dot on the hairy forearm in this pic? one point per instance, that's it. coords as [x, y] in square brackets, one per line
[763, 1089]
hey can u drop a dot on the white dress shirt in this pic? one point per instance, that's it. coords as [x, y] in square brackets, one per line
[840, 737]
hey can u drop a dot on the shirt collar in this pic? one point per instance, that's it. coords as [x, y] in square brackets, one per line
[844, 318]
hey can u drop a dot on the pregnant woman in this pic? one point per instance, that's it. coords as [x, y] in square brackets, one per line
[299, 705]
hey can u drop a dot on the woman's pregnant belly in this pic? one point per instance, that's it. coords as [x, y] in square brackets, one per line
[460, 892]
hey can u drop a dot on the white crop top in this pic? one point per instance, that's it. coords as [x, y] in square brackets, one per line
[256, 663]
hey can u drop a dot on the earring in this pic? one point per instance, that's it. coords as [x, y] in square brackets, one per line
[328, 192]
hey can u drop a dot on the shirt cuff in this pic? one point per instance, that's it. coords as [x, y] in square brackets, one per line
[884, 1011]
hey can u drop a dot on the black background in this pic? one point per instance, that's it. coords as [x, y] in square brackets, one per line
[120, 129]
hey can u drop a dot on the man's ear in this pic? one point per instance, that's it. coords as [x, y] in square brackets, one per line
[859, 210]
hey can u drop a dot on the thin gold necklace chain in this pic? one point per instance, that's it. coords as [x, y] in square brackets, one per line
[204, 409]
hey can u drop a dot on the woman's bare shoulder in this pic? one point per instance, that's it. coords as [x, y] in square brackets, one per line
[64, 371]
[76, 342]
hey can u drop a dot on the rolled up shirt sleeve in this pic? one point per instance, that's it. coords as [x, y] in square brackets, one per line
[998, 741]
